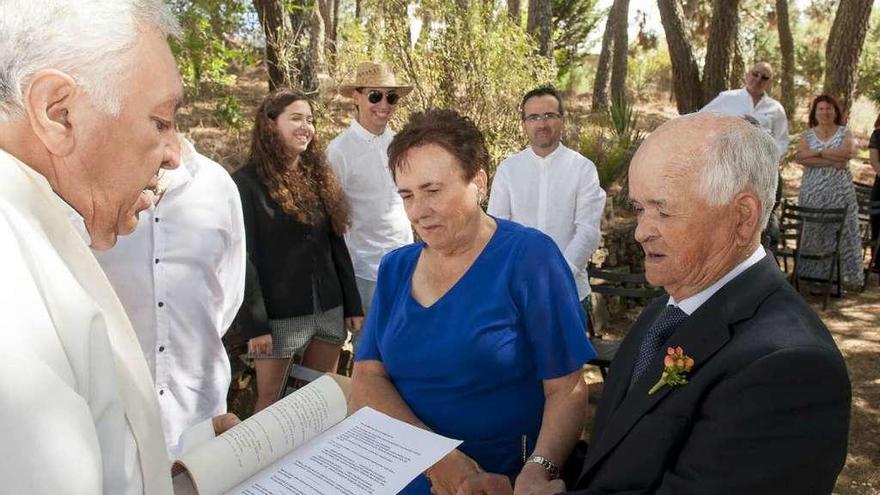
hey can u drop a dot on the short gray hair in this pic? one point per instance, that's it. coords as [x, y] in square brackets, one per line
[740, 158]
[86, 39]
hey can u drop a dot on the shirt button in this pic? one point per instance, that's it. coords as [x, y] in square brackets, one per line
[161, 304]
[161, 392]
[157, 219]
[157, 261]
[161, 348]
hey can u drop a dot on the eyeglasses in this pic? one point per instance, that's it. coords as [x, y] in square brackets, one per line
[374, 96]
[537, 117]
[760, 76]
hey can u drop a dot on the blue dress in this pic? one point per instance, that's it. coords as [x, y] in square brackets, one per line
[471, 365]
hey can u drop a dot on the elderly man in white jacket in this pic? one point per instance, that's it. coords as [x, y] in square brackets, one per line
[88, 96]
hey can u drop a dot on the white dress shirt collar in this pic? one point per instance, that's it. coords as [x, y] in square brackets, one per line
[368, 136]
[550, 156]
[692, 303]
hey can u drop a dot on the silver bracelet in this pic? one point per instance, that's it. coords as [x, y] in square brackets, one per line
[547, 464]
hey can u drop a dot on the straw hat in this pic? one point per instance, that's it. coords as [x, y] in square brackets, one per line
[374, 75]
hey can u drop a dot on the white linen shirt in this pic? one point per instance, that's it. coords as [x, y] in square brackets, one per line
[77, 409]
[768, 112]
[378, 221]
[180, 276]
[558, 195]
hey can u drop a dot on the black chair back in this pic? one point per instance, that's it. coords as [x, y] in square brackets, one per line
[804, 221]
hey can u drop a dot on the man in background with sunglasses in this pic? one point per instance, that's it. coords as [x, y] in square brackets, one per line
[753, 101]
[359, 156]
[551, 187]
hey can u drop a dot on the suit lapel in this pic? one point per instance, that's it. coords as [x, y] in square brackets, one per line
[701, 335]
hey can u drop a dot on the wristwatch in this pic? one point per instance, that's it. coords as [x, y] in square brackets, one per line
[547, 464]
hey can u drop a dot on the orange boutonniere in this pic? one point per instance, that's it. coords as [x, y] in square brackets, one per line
[677, 364]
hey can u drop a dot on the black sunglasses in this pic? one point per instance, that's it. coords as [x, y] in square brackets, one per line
[374, 96]
[760, 76]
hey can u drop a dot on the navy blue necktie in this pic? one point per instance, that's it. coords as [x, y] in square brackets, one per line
[654, 339]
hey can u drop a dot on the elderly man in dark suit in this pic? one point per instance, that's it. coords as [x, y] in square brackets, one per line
[758, 400]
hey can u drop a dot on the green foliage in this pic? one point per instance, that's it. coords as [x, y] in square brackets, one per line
[211, 43]
[229, 109]
[573, 21]
[611, 147]
[476, 62]
[649, 71]
[868, 81]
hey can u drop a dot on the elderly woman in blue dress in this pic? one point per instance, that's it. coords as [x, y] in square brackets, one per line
[825, 150]
[476, 331]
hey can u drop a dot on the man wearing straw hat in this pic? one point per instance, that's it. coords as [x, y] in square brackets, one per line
[360, 159]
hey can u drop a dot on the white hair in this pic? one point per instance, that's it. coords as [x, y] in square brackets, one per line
[89, 40]
[741, 158]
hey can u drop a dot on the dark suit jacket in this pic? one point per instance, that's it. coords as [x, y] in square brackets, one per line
[284, 255]
[765, 410]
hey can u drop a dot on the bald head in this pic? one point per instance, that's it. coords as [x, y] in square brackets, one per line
[717, 155]
[703, 185]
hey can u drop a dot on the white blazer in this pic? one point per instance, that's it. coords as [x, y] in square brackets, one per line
[78, 414]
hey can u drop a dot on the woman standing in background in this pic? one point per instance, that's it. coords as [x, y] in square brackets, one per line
[304, 296]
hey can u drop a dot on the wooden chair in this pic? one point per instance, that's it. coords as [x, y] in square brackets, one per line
[625, 285]
[803, 219]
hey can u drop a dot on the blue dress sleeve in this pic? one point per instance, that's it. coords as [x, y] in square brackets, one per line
[546, 297]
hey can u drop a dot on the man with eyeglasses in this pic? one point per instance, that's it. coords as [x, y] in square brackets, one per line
[551, 187]
[359, 156]
[753, 101]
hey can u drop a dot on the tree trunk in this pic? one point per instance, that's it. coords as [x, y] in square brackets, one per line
[603, 66]
[620, 50]
[540, 25]
[719, 48]
[786, 46]
[325, 9]
[514, 8]
[844, 49]
[685, 73]
[276, 28]
[313, 62]
[737, 65]
[357, 9]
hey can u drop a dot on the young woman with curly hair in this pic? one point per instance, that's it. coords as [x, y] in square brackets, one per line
[302, 294]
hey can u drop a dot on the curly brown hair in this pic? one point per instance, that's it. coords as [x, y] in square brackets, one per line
[301, 184]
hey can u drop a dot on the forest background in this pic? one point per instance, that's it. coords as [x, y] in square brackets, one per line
[625, 66]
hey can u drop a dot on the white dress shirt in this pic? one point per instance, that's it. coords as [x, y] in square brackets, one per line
[378, 220]
[692, 303]
[768, 112]
[558, 195]
[180, 276]
[78, 413]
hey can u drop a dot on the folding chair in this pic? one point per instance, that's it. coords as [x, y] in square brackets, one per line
[296, 376]
[629, 286]
[870, 246]
[789, 235]
[831, 221]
